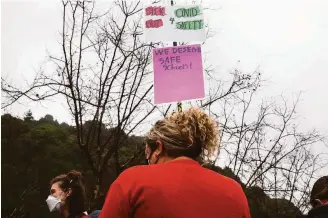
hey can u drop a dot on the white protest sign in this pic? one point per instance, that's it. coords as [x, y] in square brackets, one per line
[174, 23]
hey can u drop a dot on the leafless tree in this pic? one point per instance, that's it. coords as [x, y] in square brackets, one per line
[267, 149]
[104, 74]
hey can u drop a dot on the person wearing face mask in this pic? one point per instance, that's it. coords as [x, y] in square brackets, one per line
[175, 185]
[67, 195]
[319, 199]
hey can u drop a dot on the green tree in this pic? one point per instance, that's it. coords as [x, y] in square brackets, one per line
[31, 156]
[35, 153]
[107, 79]
[29, 116]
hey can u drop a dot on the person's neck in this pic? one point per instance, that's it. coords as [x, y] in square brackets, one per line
[166, 159]
[65, 212]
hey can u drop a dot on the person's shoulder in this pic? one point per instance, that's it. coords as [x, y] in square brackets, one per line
[224, 179]
[136, 169]
[131, 178]
[133, 172]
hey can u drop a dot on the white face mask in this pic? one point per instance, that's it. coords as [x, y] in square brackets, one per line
[53, 203]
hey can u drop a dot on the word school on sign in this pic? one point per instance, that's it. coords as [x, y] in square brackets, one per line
[178, 74]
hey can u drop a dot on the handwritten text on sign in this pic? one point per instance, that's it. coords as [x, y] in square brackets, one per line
[174, 23]
[178, 74]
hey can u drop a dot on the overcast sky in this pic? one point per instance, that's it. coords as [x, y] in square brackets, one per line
[287, 38]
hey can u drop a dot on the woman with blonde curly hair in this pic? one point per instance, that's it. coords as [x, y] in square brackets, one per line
[174, 184]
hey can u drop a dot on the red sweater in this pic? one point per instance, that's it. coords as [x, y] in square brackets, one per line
[177, 189]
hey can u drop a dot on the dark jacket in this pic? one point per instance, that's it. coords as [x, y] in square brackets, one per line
[318, 212]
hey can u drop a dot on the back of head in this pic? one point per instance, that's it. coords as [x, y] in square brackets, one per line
[186, 133]
[73, 181]
[319, 191]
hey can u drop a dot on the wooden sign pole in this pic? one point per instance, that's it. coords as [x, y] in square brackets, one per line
[179, 104]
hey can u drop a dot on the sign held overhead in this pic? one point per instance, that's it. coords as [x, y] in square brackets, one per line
[174, 23]
[178, 74]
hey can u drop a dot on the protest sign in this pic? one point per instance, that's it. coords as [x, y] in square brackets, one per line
[174, 23]
[178, 74]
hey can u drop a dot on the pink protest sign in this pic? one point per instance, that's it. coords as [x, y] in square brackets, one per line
[178, 74]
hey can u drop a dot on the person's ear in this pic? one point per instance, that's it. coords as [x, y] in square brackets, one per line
[160, 147]
[316, 202]
[69, 192]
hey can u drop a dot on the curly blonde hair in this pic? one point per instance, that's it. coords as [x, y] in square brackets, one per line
[186, 133]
